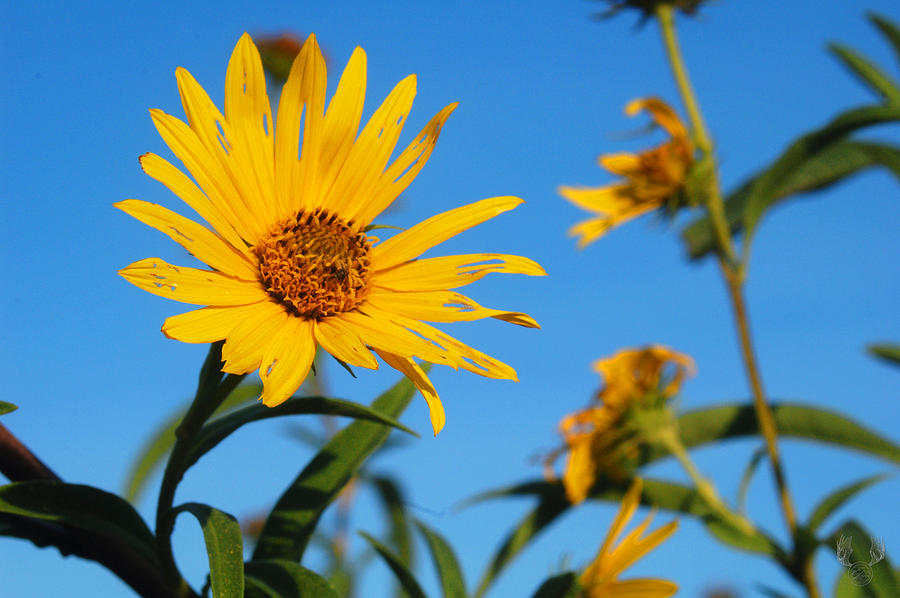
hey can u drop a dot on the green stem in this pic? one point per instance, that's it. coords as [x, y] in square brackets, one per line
[670, 439]
[211, 391]
[734, 273]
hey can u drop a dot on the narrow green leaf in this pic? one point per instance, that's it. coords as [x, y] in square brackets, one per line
[291, 523]
[285, 579]
[889, 29]
[865, 561]
[7, 407]
[837, 498]
[400, 537]
[160, 443]
[765, 188]
[772, 592]
[744, 486]
[889, 353]
[224, 546]
[217, 430]
[831, 164]
[564, 585]
[553, 503]
[867, 72]
[449, 571]
[79, 506]
[403, 574]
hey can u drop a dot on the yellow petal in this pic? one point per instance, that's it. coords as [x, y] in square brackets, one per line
[590, 230]
[249, 115]
[633, 547]
[206, 325]
[244, 345]
[371, 151]
[380, 333]
[190, 285]
[343, 341]
[300, 92]
[661, 112]
[451, 351]
[287, 360]
[441, 306]
[342, 119]
[581, 471]
[452, 271]
[622, 164]
[206, 170]
[405, 168]
[214, 132]
[411, 243]
[183, 187]
[197, 239]
[607, 200]
[639, 588]
[412, 371]
[627, 508]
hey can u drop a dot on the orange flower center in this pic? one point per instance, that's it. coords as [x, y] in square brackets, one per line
[315, 264]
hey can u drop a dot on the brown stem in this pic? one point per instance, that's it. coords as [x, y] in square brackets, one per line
[18, 463]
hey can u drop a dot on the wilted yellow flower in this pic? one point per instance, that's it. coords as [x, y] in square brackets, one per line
[292, 264]
[599, 580]
[594, 438]
[651, 177]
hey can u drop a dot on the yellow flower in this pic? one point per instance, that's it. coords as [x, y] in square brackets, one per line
[292, 266]
[594, 438]
[599, 580]
[651, 177]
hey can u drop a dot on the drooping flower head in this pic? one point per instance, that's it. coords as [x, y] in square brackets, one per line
[292, 265]
[596, 438]
[650, 177]
[600, 578]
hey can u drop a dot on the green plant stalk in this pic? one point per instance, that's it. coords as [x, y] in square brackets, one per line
[669, 438]
[211, 391]
[734, 272]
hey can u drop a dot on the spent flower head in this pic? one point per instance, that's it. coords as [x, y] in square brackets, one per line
[289, 203]
[650, 178]
[605, 438]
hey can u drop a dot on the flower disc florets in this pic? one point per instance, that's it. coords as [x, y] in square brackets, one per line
[315, 264]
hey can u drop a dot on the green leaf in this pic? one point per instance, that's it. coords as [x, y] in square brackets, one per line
[837, 498]
[404, 575]
[224, 546]
[7, 407]
[867, 72]
[744, 486]
[564, 585]
[392, 498]
[285, 579]
[160, 443]
[291, 523]
[765, 187]
[772, 592]
[83, 507]
[875, 576]
[831, 164]
[889, 353]
[888, 29]
[553, 503]
[217, 430]
[449, 571]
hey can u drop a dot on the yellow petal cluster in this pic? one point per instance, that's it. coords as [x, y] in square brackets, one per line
[287, 203]
[600, 578]
[649, 178]
[591, 434]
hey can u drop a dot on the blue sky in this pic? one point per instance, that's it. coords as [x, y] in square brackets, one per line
[541, 88]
